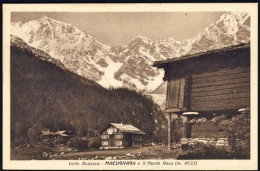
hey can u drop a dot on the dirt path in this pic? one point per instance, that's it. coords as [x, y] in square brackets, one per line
[109, 152]
[145, 151]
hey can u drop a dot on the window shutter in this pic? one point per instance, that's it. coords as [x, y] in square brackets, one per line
[176, 93]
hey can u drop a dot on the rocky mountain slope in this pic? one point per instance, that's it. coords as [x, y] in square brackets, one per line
[125, 66]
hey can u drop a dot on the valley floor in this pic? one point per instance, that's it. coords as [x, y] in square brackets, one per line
[130, 153]
[153, 152]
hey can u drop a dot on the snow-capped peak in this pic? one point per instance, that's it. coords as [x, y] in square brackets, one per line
[239, 16]
[45, 17]
[128, 66]
[142, 39]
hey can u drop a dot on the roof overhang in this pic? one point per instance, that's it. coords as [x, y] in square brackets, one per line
[162, 64]
[133, 131]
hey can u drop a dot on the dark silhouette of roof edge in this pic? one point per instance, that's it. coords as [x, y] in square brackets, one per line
[161, 64]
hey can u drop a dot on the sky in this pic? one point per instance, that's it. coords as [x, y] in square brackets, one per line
[112, 28]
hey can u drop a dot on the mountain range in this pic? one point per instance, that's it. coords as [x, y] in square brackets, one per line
[46, 96]
[125, 66]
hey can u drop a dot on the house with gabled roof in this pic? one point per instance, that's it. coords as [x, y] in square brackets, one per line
[119, 135]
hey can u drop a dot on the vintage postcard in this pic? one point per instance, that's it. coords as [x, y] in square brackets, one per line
[130, 86]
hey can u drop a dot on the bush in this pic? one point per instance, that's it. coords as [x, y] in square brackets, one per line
[34, 133]
[79, 143]
[204, 151]
[95, 143]
[30, 152]
[177, 128]
[238, 131]
[18, 141]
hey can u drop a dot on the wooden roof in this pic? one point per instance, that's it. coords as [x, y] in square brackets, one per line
[127, 128]
[163, 63]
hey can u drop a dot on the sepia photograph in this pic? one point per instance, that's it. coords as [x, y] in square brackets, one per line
[116, 86]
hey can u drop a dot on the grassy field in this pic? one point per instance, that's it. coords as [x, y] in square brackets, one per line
[154, 152]
[28, 153]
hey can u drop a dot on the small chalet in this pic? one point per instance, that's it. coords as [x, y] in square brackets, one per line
[214, 81]
[118, 135]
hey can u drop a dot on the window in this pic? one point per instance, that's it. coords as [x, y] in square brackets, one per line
[118, 142]
[104, 136]
[138, 137]
[119, 136]
[104, 143]
[110, 131]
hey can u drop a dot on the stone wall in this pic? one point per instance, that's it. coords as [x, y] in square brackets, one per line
[211, 141]
[207, 131]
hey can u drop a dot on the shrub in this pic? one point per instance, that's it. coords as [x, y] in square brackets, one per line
[18, 141]
[204, 151]
[95, 143]
[34, 133]
[177, 128]
[238, 132]
[79, 143]
[30, 152]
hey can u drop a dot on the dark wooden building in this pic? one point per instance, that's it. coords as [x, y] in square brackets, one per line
[118, 135]
[217, 80]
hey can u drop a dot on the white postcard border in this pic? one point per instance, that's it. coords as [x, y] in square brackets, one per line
[251, 8]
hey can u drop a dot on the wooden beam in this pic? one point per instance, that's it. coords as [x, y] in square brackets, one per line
[132, 140]
[186, 127]
[124, 144]
[170, 110]
[169, 131]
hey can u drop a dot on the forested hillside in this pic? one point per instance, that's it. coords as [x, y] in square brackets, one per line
[44, 96]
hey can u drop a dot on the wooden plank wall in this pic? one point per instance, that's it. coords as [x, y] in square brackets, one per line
[222, 90]
[175, 93]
